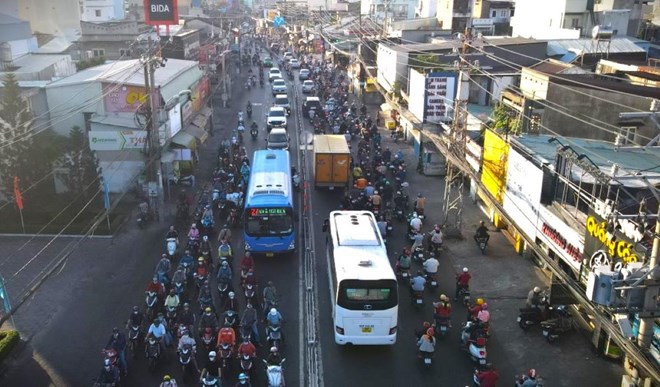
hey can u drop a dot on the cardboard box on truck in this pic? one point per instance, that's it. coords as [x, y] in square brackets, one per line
[332, 161]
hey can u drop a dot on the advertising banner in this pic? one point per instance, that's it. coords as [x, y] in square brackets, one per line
[199, 94]
[440, 90]
[161, 12]
[493, 172]
[618, 246]
[123, 99]
[562, 238]
[174, 115]
[113, 140]
[522, 195]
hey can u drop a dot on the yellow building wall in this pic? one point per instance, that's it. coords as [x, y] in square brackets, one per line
[494, 162]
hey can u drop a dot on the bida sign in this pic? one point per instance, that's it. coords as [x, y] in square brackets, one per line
[161, 12]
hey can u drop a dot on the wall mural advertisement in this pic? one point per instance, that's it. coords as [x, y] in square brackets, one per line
[199, 94]
[123, 99]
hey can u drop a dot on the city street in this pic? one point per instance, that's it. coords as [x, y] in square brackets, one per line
[69, 319]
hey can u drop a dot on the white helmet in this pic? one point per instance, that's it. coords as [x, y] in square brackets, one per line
[465, 270]
[273, 311]
[212, 355]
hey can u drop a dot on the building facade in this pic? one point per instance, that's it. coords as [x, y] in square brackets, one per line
[16, 40]
[102, 10]
[115, 40]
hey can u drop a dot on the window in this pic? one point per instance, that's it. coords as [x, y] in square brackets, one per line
[493, 13]
[575, 23]
[401, 11]
[124, 52]
[97, 52]
[380, 8]
[627, 135]
[97, 13]
[503, 13]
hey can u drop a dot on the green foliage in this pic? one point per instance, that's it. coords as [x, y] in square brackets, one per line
[83, 64]
[8, 340]
[506, 120]
[427, 62]
[81, 164]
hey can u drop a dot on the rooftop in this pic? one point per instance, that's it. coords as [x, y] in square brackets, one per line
[443, 44]
[551, 66]
[594, 81]
[570, 48]
[31, 63]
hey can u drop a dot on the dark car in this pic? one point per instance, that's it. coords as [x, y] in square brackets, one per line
[311, 103]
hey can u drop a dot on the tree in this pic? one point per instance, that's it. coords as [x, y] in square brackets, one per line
[506, 120]
[81, 164]
[16, 137]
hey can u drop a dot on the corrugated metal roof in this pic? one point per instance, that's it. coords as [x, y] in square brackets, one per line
[587, 46]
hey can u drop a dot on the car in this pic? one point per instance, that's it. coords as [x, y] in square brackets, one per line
[294, 63]
[273, 73]
[268, 62]
[308, 87]
[287, 55]
[311, 103]
[276, 118]
[282, 100]
[275, 47]
[277, 139]
[279, 86]
[303, 74]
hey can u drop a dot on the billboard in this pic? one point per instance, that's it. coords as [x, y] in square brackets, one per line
[114, 140]
[618, 247]
[522, 194]
[199, 94]
[161, 12]
[431, 95]
[123, 99]
[493, 170]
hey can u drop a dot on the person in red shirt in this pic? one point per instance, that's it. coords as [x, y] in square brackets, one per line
[247, 264]
[487, 377]
[462, 282]
[442, 309]
[246, 348]
[155, 286]
[473, 310]
[226, 335]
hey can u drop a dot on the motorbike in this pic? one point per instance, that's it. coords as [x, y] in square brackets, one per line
[208, 339]
[185, 357]
[225, 353]
[274, 333]
[232, 219]
[418, 254]
[134, 333]
[182, 180]
[418, 298]
[153, 352]
[432, 280]
[426, 358]
[110, 354]
[142, 219]
[186, 266]
[245, 333]
[296, 181]
[249, 111]
[223, 291]
[561, 322]
[254, 133]
[210, 381]
[441, 328]
[170, 315]
[398, 213]
[476, 347]
[275, 374]
[246, 364]
[179, 288]
[250, 294]
[171, 248]
[464, 294]
[151, 300]
[482, 242]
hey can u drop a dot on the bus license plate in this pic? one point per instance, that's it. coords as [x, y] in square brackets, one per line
[367, 329]
[269, 254]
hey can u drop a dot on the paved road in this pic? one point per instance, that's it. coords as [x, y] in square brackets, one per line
[69, 319]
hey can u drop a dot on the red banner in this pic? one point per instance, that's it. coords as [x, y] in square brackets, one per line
[17, 194]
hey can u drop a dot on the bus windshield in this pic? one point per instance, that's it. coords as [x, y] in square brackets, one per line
[269, 222]
[378, 294]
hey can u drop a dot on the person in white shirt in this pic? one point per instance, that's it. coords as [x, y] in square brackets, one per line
[431, 265]
[415, 222]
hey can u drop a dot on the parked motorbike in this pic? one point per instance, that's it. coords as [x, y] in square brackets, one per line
[561, 323]
[275, 374]
[182, 180]
[476, 347]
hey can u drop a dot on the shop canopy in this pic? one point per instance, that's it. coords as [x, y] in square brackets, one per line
[197, 132]
[184, 139]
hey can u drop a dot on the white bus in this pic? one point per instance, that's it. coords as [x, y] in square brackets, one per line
[364, 293]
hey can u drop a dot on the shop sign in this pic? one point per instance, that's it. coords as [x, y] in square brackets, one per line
[562, 238]
[161, 12]
[113, 140]
[122, 98]
[199, 94]
[522, 195]
[561, 242]
[174, 115]
[605, 248]
[440, 89]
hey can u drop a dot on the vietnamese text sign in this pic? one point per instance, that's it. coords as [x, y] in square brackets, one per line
[440, 89]
[113, 140]
[161, 12]
[123, 99]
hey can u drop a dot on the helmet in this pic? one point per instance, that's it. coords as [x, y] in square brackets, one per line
[249, 306]
[247, 253]
[443, 298]
[531, 373]
[242, 376]
[273, 349]
[107, 363]
[207, 310]
[187, 252]
[270, 283]
[136, 308]
[207, 206]
[163, 255]
[186, 305]
[115, 330]
[205, 238]
[537, 289]
[167, 378]
[465, 270]
[273, 311]
[480, 301]
[212, 355]
[200, 259]
[427, 324]
[225, 263]
[419, 195]
[232, 294]
[230, 312]
[194, 225]
[172, 291]
[430, 332]
[484, 306]
[155, 279]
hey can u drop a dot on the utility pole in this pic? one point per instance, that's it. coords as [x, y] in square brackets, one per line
[452, 204]
[387, 8]
[646, 322]
[154, 173]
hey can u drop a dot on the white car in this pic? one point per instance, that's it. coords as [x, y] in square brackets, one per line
[303, 74]
[308, 87]
[276, 118]
[287, 55]
[277, 139]
[294, 63]
[273, 73]
[279, 86]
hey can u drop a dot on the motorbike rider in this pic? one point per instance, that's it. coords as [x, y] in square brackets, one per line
[534, 298]
[201, 269]
[212, 367]
[274, 357]
[109, 373]
[227, 335]
[418, 282]
[436, 237]
[399, 201]
[136, 318]
[193, 233]
[420, 203]
[482, 232]
[246, 348]
[205, 297]
[418, 240]
[163, 269]
[172, 300]
[274, 318]
[426, 343]
[483, 317]
[172, 233]
[375, 199]
[158, 331]
[224, 236]
[415, 222]
[419, 332]
[187, 317]
[249, 319]
[462, 282]
[187, 260]
[187, 340]
[168, 381]
[230, 317]
[208, 214]
[473, 310]
[231, 303]
[224, 273]
[431, 265]
[269, 297]
[243, 381]
[404, 260]
[117, 342]
[487, 377]
[179, 276]
[208, 320]
[442, 312]
[529, 380]
[245, 172]
[155, 286]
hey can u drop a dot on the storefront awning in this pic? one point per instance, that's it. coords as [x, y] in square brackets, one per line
[200, 121]
[167, 157]
[207, 111]
[199, 133]
[184, 139]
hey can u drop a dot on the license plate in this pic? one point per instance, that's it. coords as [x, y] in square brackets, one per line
[443, 328]
[419, 301]
[404, 275]
[546, 333]
[269, 254]
[482, 361]
[519, 319]
[434, 283]
[427, 360]
[367, 329]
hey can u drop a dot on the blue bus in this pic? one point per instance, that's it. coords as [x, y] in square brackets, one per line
[268, 217]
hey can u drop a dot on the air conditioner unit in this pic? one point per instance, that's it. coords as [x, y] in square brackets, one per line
[600, 285]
